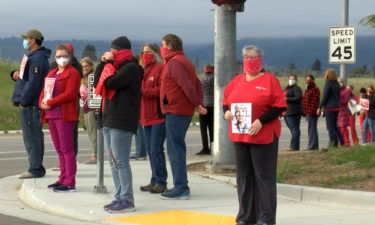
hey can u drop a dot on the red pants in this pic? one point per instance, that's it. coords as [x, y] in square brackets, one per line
[361, 119]
[345, 134]
[62, 137]
[353, 130]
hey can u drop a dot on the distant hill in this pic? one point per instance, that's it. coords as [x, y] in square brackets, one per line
[279, 52]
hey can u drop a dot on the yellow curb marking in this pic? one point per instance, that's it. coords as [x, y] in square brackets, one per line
[176, 217]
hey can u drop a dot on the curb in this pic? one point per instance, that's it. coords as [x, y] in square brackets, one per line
[335, 197]
[316, 195]
[27, 195]
[30, 197]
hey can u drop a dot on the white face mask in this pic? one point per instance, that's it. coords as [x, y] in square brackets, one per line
[62, 61]
[292, 82]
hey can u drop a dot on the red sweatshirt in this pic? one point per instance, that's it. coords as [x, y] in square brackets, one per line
[181, 90]
[263, 93]
[68, 85]
[150, 101]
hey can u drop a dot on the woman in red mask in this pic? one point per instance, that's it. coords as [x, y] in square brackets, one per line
[151, 117]
[255, 151]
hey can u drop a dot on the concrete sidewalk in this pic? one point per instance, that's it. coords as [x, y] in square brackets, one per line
[213, 202]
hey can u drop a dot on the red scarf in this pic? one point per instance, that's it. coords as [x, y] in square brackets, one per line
[109, 70]
[121, 56]
[208, 69]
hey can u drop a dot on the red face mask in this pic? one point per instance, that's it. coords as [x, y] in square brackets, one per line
[164, 52]
[148, 59]
[252, 65]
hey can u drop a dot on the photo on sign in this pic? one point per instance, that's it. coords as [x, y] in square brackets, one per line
[241, 121]
[49, 85]
[364, 103]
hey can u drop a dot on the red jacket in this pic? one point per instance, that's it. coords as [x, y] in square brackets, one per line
[68, 84]
[181, 91]
[311, 100]
[150, 103]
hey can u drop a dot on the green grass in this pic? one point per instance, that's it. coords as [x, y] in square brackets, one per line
[342, 180]
[285, 170]
[331, 168]
[9, 119]
[363, 157]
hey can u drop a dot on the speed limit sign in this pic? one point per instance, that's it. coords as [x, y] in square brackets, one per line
[341, 45]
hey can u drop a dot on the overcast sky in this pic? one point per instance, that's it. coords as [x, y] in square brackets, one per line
[193, 20]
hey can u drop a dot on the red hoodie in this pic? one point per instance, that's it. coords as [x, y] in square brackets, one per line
[150, 105]
[181, 91]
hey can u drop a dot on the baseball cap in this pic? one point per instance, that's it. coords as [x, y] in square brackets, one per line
[35, 34]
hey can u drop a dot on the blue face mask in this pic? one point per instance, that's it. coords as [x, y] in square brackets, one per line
[25, 44]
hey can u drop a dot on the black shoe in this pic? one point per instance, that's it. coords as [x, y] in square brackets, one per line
[203, 152]
[64, 188]
[54, 185]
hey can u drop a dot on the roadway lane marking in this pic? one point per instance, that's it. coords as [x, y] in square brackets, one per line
[46, 156]
[174, 217]
[14, 152]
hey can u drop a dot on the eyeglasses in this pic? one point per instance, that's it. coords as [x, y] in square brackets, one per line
[61, 56]
[251, 56]
[146, 52]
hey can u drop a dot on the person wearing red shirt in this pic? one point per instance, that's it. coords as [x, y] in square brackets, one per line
[59, 102]
[256, 150]
[181, 94]
[310, 101]
[343, 119]
[353, 131]
[151, 117]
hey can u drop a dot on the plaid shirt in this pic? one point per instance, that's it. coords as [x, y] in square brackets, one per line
[311, 100]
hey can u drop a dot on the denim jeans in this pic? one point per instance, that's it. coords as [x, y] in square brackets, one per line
[312, 132]
[155, 137]
[140, 147]
[33, 139]
[333, 131]
[293, 122]
[371, 123]
[365, 127]
[118, 145]
[176, 127]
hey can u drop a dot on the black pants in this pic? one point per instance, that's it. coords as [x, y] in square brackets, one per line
[256, 182]
[335, 136]
[207, 121]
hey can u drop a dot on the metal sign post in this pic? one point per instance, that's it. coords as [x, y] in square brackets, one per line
[225, 70]
[94, 102]
[342, 42]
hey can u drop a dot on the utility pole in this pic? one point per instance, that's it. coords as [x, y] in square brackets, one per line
[345, 22]
[225, 69]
